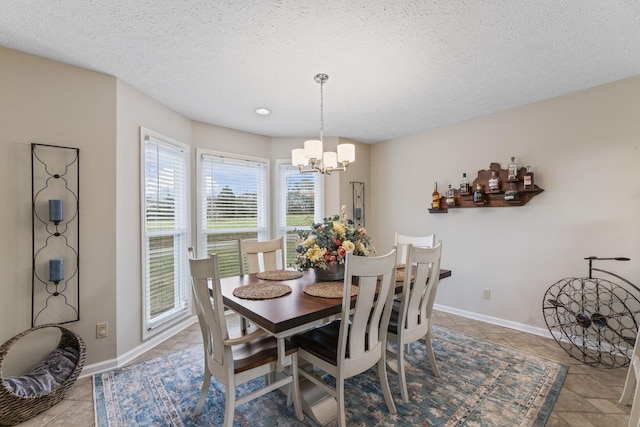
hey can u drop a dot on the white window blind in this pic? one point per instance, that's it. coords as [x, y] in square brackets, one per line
[234, 205]
[166, 230]
[300, 204]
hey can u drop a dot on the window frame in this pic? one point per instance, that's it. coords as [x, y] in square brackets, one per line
[280, 200]
[263, 231]
[151, 327]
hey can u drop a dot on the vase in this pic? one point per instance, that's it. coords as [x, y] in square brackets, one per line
[334, 272]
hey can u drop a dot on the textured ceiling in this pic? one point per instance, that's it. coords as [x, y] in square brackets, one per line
[396, 67]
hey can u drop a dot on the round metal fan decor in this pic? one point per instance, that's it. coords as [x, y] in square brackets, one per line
[593, 319]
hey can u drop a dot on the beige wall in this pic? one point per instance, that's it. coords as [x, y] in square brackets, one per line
[135, 110]
[228, 140]
[52, 103]
[585, 152]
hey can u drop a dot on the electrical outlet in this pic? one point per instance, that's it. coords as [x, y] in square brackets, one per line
[102, 330]
[486, 293]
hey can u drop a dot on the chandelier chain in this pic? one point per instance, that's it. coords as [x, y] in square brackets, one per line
[321, 110]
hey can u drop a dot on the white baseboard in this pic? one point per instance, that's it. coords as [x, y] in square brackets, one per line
[127, 357]
[495, 321]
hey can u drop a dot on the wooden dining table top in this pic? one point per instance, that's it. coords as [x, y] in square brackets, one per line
[291, 311]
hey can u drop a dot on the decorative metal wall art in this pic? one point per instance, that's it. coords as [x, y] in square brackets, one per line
[55, 184]
[357, 189]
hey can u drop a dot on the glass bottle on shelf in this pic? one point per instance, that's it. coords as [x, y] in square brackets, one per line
[511, 194]
[512, 170]
[528, 179]
[450, 197]
[435, 197]
[494, 182]
[464, 184]
[478, 195]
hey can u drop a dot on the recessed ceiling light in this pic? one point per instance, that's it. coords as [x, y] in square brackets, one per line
[262, 111]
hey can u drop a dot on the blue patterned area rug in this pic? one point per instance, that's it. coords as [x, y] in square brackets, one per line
[482, 384]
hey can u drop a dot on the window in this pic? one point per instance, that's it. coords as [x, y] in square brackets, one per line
[165, 186]
[233, 205]
[299, 204]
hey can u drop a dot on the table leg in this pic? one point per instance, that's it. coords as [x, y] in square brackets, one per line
[316, 402]
[281, 355]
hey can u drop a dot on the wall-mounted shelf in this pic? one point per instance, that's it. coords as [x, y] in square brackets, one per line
[492, 198]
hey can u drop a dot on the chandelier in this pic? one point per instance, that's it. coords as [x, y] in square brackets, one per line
[313, 155]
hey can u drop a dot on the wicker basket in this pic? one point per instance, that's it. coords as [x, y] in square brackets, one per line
[15, 409]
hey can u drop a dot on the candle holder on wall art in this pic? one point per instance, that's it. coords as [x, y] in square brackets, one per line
[55, 228]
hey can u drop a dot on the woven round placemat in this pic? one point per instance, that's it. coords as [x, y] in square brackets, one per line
[328, 289]
[400, 275]
[279, 275]
[262, 291]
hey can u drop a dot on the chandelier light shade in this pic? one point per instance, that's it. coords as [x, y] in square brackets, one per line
[330, 159]
[346, 153]
[313, 153]
[298, 157]
[313, 149]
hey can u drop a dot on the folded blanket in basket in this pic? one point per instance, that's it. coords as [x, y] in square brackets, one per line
[47, 375]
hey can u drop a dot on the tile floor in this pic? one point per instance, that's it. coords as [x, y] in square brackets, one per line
[589, 396]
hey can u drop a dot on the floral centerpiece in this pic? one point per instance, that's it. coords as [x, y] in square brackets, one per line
[326, 245]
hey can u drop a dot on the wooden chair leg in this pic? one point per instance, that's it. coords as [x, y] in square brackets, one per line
[203, 394]
[229, 405]
[631, 391]
[634, 417]
[432, 358]
[401, 374]
[342, 418]
[629, 387]
[384, 384]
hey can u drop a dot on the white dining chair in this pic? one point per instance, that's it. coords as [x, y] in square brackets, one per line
[260, 255]
[631, 390]
[236, 360]
[411, 315]
[402, 240]
[347, 348]
[265, 255]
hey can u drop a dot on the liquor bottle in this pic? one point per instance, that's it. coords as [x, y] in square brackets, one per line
[512, 174]
[494, 182]
[511, 194]
[435, 197]
[478, 195]
[528, 179]
[464, 184]
[451, 197]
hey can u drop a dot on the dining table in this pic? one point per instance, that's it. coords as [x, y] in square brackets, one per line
[288, 315]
